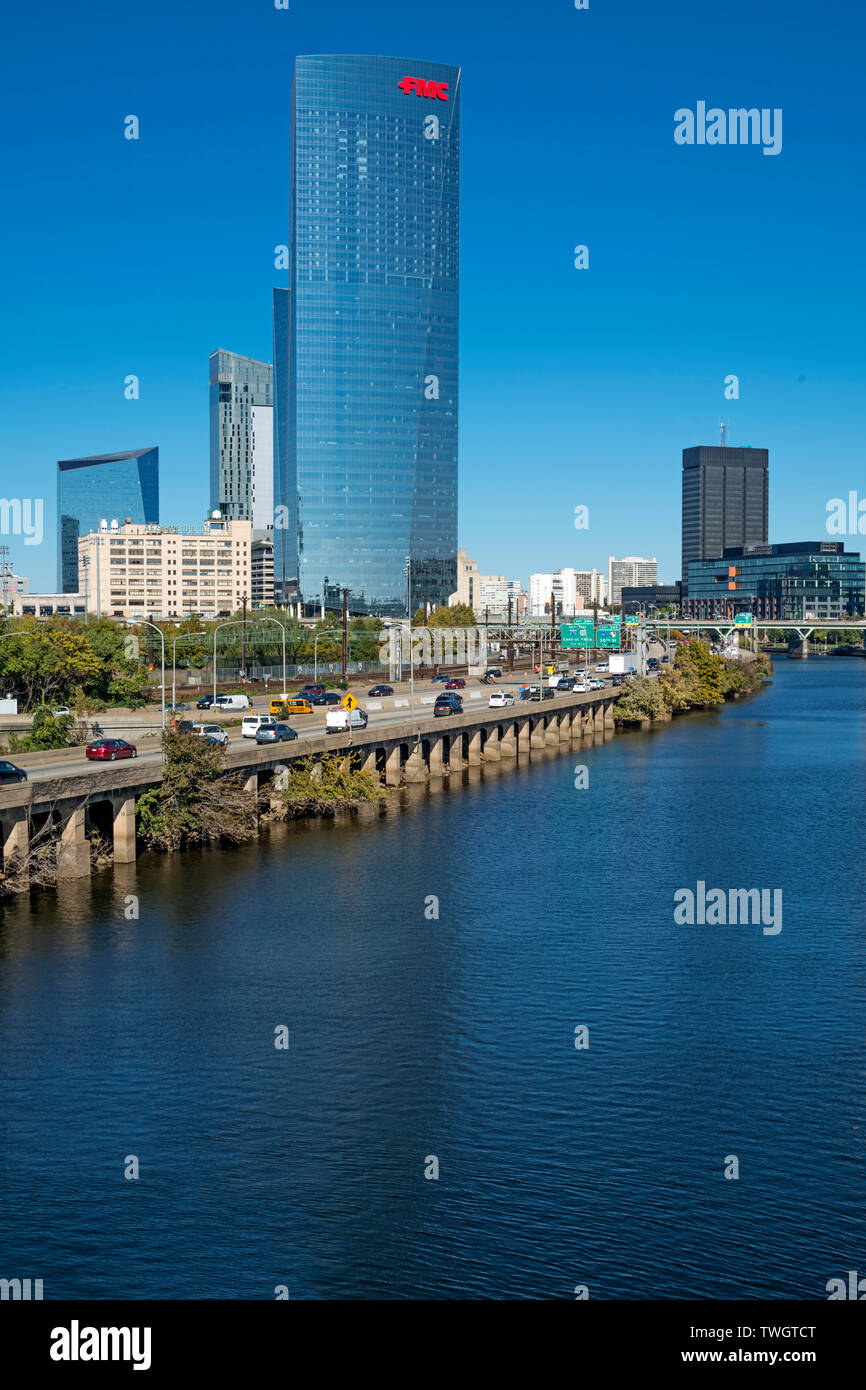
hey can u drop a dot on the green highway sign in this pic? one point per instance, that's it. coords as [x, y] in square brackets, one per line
[743, 619]
[608, 636]
[577, 634]
[632, 620]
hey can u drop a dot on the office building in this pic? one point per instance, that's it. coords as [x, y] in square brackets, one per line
[494, 596]
[590, 587]
[135, 571]
[285, 497]
[104, 486]
[559, 587]
[799, 580]
[370, 314]
[632, 571]
[725, 501]
[648, 596]
[23, 604]
[237, 386]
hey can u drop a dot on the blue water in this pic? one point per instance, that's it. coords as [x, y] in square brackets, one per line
[412, 1037]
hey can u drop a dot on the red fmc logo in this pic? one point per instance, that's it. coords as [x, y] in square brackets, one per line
[424, 89]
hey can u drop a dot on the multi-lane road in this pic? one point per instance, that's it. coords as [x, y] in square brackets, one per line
[393, 709]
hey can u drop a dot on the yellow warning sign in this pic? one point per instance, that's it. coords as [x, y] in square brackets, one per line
[349, 702]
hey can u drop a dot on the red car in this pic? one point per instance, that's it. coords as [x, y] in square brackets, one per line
[456, 683]
[110, 748]
[312, 690]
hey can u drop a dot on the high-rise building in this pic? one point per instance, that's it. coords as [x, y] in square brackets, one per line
[237, 385]
[561, 587]
[725, 501]
[262, 469]
[590, 587]
[285, 498]
[632, 571]
[118, 487]
[262, 572]
[371, 315]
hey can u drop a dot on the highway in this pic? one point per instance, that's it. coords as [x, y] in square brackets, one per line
[381, 713]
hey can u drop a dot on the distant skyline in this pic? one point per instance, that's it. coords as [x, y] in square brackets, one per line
[578, 387]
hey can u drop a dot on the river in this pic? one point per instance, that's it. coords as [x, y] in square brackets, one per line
[415, 1036]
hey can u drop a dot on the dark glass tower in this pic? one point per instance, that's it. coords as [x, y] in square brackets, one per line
[372, 307]
[725, 501]
[105, 487]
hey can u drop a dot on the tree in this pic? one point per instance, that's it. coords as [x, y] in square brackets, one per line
[461, 615]
[195, 802]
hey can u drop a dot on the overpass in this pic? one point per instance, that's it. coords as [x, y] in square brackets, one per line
[405, 751]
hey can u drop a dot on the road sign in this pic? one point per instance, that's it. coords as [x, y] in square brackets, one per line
[609, 634]
[577, 634]
[349, 702]
[743, 620]
[632, 620]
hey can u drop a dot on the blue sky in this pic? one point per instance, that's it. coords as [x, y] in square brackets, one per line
[577, 387]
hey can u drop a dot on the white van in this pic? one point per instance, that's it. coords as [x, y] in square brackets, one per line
[338, 719]
[251, 723]
[231, 703]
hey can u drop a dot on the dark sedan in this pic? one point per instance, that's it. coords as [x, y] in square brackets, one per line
[444, 706]
[380, 690]
[9, 773]
[275, 733]
[456, 683]
[107, 749]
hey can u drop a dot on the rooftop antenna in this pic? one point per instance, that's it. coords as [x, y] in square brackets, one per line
[724, 430]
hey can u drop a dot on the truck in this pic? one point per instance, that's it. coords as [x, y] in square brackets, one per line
[616, 663]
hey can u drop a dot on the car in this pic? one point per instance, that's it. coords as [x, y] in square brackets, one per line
[565, 683]
[183, 726]
[295, 704]
[652, 663]
[618, 678]
[180, 705]
[212, 732]
[381, 690]
[331, 697]
[603, 666]
[204, 702]
[308, 690]
[581, 687]
[500, 698]
[251, 723]
[494, 671]
[541, 692]
[445, 706]
[316, 697]
[108, 749]
[456, 683]
[61, 709]
[275, 733]
[340, 720]
[665, 658]
[441, 678]
[10, 774]
[278, 703]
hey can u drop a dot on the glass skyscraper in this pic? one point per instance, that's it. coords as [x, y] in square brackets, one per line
[237, 384]
[367, 474]
[105, 487]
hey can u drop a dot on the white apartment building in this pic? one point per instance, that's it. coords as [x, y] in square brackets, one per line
[632, 571]
[140, 570]
[590, 587]
[494, 596]
[562, 585]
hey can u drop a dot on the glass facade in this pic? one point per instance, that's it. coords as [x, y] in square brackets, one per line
[236, 385]
[372, 316]
[725, 501]
[794, 581]
[285, 498]
[105, 487]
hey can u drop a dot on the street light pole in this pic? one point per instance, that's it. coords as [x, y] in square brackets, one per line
[144, 622]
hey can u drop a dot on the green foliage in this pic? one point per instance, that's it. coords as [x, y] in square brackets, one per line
[461, 615]
[47, 731]
[68, 661]
[319, 787]
[641, 700]
[195, 803]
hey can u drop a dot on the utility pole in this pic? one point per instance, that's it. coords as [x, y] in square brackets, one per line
[6, 567]
[244, 637]
[345, 665]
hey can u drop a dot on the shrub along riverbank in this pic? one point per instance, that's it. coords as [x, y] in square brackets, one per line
[697, 679]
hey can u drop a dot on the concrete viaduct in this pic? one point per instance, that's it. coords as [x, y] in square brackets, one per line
[402, 753]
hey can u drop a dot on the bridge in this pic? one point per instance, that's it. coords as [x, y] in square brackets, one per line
[406, 751]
